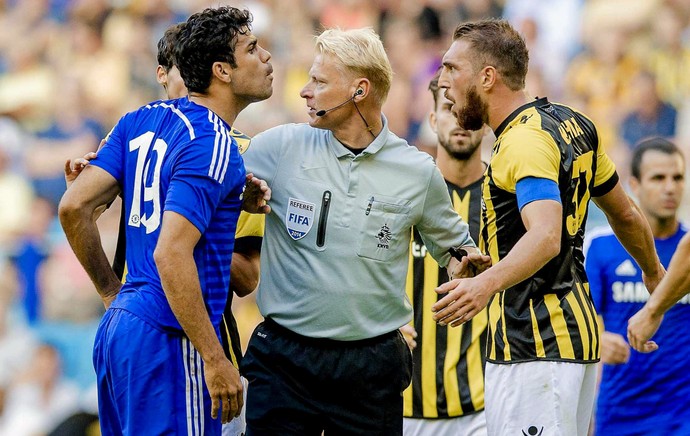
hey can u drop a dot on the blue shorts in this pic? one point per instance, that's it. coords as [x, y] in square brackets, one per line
[150, 382]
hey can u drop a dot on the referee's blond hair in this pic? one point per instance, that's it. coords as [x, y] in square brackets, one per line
[361, 52]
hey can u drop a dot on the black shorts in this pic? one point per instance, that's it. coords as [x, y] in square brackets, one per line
[303, 386]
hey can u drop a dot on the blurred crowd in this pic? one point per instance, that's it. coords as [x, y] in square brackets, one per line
[70, 68]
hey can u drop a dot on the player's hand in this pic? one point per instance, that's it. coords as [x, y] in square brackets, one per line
[225, 387]
[465, 298]
[641, 328]
[614, 349]
[256, 194]
[109, 296]
[409, 334]
[471, 265]
[74, 167]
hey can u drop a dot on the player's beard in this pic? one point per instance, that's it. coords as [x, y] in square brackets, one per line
[474, 113]
[459, 153]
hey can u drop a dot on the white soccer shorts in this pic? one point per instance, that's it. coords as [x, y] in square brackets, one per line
[539, 398]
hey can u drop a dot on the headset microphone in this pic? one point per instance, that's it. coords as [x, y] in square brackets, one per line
[323, 112]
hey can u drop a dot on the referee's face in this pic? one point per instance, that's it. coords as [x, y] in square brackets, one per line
[327, 93]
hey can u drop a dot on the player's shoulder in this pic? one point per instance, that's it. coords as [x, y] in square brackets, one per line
[406, 154]
[296, 130]
[288, 134]
[528, 126]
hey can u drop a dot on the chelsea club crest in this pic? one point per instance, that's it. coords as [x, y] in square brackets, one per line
[299, 218]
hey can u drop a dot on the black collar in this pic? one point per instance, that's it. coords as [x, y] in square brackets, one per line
[537, 102]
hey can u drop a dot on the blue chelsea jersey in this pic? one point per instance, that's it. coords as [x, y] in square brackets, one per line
[651, 392]
[175, 156]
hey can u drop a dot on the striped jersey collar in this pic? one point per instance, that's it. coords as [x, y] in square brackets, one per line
[537, 102]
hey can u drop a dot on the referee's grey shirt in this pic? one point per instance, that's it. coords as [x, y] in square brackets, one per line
[335, 253]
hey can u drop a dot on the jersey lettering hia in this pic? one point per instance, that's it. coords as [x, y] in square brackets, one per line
[448, 380]
[651, 392]
[549, 316]
[191, 167]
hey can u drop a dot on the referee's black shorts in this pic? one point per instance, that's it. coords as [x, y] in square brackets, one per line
[302, 386]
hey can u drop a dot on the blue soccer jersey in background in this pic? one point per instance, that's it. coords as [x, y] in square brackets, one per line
[651, 393]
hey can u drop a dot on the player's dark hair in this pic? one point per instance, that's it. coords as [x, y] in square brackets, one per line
[166, 47]
[433, 86]
[207, 37]
[655, 143]
[497, 43]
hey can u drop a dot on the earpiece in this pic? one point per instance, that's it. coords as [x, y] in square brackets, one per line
[360, 91]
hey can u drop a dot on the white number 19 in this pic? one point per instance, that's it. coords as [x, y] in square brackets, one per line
[151, 190]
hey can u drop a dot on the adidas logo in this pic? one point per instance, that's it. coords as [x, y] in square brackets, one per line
[626, 269]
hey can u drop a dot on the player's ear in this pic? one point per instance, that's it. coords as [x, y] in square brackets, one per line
[432, 121]
[222, 71]
[161, 75]
[488, 77]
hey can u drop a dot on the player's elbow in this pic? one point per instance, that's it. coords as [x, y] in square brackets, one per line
[626, 218]
[70, 211]
[245, 287]
[161, 257]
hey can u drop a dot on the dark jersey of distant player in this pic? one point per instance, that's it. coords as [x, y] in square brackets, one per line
[651, 393]
[549, 316]
[448, 378]
[175, 156]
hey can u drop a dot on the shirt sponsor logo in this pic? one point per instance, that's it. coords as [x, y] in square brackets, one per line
[635, 292]
[418, 250]
[299, 218]
[626, 269]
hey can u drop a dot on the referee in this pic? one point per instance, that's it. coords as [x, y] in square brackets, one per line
[346, 194]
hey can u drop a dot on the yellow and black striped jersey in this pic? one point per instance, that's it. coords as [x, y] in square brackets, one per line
[551, 315]
[448, 377]
[248, 236]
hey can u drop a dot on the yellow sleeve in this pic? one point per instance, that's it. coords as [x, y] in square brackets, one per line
[605, 167]
[250, 224]
[524, 151]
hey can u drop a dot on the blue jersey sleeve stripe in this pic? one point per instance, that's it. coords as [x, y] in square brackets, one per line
[532, 189]
[179, 113]
[221, 149]
[228, 149]
[214, 158]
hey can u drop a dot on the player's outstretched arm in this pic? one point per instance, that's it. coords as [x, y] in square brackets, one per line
[633, 231]
[466, 297]
[174, 257]
[78, 208]
[675, 284]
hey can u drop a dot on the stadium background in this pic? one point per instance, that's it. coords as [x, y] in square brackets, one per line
[70, 68]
